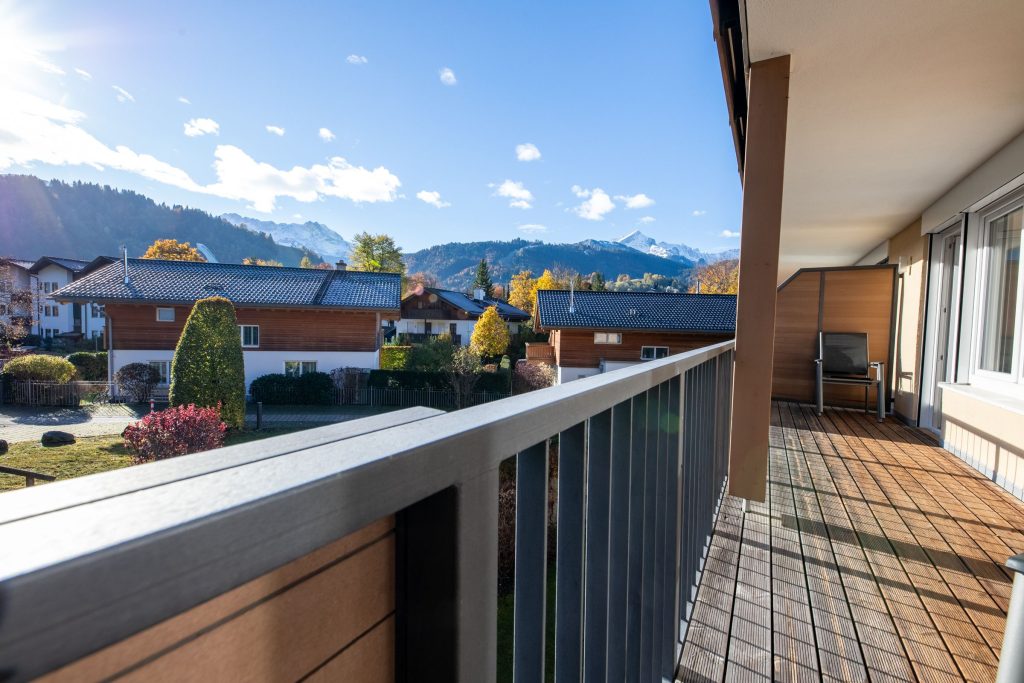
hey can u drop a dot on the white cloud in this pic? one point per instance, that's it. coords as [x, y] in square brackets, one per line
[326, 135]
[647, 219]
[532, 228]
[519, 197]
[356, 59]
[447, 76]
[242, 177]
[122, 94]
[184, 100]
[636, 201]
[34, 130]
[729, 233]
[433, 198]
[527, 152]
[276, 130]
[86, 76]
[597, 203]
[698, 212]
[196, 127]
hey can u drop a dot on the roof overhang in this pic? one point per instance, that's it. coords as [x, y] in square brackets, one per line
[890, 105]
[173, 302]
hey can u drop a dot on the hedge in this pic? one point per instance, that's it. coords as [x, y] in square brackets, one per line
[207, 369]
[40, 368]
[91, 365]
[393, 357]
[312, 388]
[413, 379]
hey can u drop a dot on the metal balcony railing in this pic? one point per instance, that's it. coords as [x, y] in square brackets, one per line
[642, 462]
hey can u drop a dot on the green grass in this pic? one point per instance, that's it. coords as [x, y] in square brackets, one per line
[88, 455]
[506, 624]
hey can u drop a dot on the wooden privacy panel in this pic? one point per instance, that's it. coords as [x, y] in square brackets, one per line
[854, 299]
[329, 615]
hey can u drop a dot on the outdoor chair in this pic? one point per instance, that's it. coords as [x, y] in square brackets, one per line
[843, 359]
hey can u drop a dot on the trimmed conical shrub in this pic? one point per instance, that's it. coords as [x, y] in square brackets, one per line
[208, 369]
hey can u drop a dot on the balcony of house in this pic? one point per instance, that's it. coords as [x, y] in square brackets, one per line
[877, 555]
[422, 338]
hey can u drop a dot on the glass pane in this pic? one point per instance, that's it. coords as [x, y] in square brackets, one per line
[1000, 311]
[308, 366]
[292, 368]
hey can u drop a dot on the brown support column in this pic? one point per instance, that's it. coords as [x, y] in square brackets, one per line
[764, 163]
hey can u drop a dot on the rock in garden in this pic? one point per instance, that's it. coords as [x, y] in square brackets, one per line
[3, 446]
[57, 438]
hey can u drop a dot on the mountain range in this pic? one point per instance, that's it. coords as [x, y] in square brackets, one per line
[676, 252]
[85, 220]
[309, 235]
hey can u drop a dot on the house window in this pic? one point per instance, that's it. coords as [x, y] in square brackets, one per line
[46, 287]
[607, 337]
[99, 311]
[250, 336]
[3, 309]
[1001, 289]
[653, 352]
[163, 368]
[165, 315]
[295, 368]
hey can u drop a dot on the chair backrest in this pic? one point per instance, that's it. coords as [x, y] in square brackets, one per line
[844, 353]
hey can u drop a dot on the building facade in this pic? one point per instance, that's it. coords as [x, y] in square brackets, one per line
[593, 332]
[291, 320]
[433, 312]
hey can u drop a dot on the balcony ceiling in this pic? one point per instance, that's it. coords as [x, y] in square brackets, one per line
[891, 103]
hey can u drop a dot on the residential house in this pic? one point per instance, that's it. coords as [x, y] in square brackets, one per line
[704, 530]
[433, 311]
[593, 332]
[54, 319]
[16, 277]
[291, 320]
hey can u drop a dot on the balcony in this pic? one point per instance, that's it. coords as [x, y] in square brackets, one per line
[363, 550]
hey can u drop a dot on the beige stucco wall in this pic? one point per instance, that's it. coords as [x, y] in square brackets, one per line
[909, 249]
[987, 432]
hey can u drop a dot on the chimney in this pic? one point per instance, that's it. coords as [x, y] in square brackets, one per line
[341, 265]
[124, 253]
[478, 293]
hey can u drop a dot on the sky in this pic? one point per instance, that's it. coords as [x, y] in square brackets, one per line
[432, 122]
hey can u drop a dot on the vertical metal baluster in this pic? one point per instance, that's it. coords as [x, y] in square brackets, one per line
[595, 569]
[637, 480]
[531, 563]
[650, 486]
[618, 540]
[477, 578]
[660, 510]
[670, 603]
[569, 569]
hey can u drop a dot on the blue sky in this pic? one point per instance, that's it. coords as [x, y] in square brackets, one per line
[442, 121]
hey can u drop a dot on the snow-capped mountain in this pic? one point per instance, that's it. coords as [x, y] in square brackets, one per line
[677, 252]
[314, 236]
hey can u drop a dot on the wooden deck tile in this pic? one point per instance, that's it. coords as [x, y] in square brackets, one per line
[877, 556]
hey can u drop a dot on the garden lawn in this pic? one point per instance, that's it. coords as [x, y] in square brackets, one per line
[88, 455]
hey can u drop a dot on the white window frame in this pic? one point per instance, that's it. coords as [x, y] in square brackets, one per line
[607, 337]
[241, 334]
[1011, 383]
[164, 320]
[165, 364]
[302, 369]
[654, 354]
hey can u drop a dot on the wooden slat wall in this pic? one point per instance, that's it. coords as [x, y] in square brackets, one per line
[136, 327]
[329, 615]
[855, 299]
[576, 348]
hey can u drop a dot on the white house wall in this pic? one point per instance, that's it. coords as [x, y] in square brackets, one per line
[259, 363]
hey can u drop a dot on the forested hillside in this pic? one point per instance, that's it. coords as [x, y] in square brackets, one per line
[83, 220]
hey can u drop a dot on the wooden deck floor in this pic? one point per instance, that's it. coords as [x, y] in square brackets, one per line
[877, 556]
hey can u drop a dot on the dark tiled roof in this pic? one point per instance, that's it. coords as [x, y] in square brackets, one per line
[72, 264]
[24, 264]
[151, 280]
[638, 310]
[476, 307]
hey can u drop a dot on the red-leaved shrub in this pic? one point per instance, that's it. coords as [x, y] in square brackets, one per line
[179, 430]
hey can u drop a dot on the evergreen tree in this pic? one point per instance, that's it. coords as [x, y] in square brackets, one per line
[597, 282]
[483, 278]
[208, 369]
